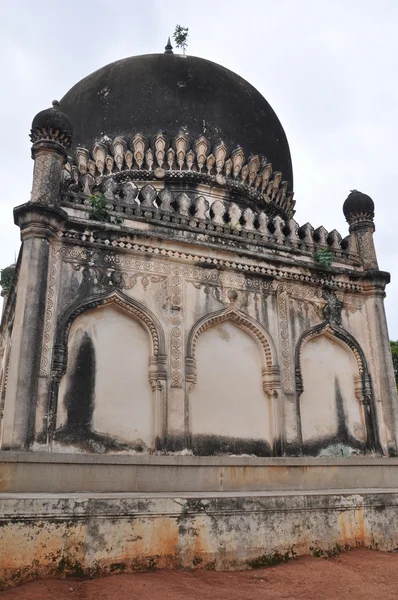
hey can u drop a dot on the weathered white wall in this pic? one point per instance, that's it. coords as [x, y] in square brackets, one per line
[228, 398]
[41, 535]
[123, 396]
[328, 368]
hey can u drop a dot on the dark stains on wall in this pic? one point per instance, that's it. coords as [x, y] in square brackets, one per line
[80, 404]
[174, 443]
[213, 445]
[332, 314]
[342, 437]
[80, 394]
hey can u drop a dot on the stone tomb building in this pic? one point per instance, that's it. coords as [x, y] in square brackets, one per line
[170, 331]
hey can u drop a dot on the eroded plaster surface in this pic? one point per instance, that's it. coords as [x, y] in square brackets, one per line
[98, 534]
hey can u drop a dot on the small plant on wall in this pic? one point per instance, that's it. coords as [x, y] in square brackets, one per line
[324, 257]
[99, 211]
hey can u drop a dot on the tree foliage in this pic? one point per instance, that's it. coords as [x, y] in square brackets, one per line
[180, 36]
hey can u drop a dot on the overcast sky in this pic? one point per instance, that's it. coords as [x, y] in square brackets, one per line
[328, 68]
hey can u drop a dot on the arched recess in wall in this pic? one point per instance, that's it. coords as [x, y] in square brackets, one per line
[109, 372]
[336, 402]
[233, 385]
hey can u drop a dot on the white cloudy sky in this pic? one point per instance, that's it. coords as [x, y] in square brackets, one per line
[328, 68]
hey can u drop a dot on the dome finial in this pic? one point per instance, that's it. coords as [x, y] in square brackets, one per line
[168, 49]
[358, 207]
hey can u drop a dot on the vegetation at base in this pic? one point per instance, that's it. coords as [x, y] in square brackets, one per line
[70, 567]
[329, 552]
[394, 352]
[324, 257]
[180, 36]
[100, 212]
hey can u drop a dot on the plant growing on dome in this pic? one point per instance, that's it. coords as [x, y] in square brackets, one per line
[99, 212]
[324, 257]
[180, 36]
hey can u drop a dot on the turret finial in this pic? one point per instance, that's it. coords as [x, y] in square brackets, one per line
[168, 49]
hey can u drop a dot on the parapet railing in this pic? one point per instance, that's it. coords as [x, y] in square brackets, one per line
[216, 217]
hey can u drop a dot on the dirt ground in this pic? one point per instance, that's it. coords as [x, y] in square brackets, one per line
[355, 575]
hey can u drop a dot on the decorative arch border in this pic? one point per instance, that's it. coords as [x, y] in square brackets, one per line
[363, 384]
[138, 310]
[241, 319]
[157, 361]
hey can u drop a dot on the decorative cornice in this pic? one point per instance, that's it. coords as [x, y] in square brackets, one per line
[252, 177]
[39, 220]
[95, 254]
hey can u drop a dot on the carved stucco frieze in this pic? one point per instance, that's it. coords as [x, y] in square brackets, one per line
[2, 345]
[249, 268]
[176, 320]
[49, 314]
[108, 278]
[218, 282]
[284, 341]
[375, 370]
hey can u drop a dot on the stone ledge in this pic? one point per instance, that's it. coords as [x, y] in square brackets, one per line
[70, 473]
[11, 456]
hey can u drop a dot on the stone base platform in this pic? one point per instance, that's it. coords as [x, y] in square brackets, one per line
[94, 534]
[93, 515]
[64, 473]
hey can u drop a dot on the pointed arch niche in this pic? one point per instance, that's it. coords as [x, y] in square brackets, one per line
[336, 403]
[233, 385]
[110, 395]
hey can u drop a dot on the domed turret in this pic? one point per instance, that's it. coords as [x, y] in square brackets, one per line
[358, 207]
[51, 136]
[6, 276]
[52, 124]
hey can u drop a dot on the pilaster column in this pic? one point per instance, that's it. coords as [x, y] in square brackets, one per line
[38, 220]
[386, 378]
[38, 224]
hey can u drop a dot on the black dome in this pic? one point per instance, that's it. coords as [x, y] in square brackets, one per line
[54, 119]
[358, 204]
[169, 93]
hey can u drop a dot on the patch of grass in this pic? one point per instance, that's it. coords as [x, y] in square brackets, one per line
[269, 560]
